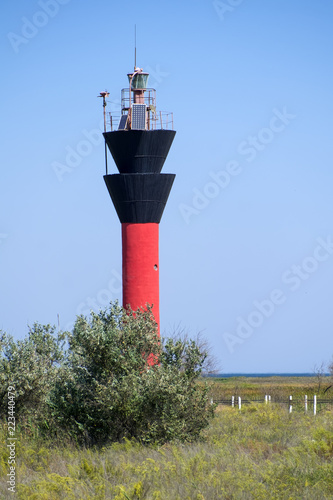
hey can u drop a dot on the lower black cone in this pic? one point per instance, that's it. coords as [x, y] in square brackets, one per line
[139, 198]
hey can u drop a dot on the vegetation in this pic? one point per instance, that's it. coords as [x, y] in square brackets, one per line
[279, 388]
[31, 366]
[261, 452]
[110, 412]
[115, 380]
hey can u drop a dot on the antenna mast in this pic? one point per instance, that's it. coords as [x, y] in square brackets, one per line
[104, 95]
[134, 47]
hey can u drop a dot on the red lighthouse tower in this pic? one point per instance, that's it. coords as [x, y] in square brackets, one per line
[139, 146]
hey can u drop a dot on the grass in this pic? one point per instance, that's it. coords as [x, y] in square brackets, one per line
[280, 388]
[261, 452]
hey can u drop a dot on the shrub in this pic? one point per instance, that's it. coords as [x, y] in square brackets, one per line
[30, 365]
[108, 389]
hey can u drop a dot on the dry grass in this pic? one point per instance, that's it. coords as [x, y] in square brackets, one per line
[261, 452]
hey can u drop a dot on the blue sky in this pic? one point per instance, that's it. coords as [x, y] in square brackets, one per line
[246, 240]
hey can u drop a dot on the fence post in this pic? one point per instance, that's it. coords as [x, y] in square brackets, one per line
[239, 403]
[266, 398]
[315, 405]
[306, 404]
[269, 398]
[232, 401]
[290, 404]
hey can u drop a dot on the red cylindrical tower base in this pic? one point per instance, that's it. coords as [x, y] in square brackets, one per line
[141, 267]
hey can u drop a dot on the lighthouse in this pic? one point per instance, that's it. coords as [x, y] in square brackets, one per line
[139, 142]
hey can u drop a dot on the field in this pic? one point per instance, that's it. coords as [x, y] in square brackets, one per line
[279, 388]
[262, 452]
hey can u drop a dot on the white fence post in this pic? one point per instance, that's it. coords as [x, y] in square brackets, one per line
[269, 399]
[266, 398]
[239, 403]
[290, 404]
[315, 405]
[306, 404]
[232, 401]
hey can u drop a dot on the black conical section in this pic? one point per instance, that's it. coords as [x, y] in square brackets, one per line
[139, 198]
[139, 151]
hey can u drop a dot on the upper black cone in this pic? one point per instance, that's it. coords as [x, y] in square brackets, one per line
[139, 151]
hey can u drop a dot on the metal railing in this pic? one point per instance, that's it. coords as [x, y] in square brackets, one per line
[149, 99]
[160, 120]
[112, 122]
[156, 120]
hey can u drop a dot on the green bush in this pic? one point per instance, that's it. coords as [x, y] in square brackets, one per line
[110, 388]
[30, 366]
[116, 379]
